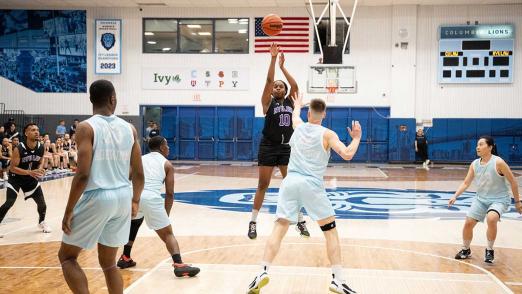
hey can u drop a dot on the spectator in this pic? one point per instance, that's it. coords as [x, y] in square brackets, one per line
[2, 132]
[5, 158]
[148, 129]
[48, 162]
[61, 157]
[61, 129]
[72, 129]
[12, 132]
[69, 148]
[421, 148]
[154, 131]
[15, 142]
[8, 124]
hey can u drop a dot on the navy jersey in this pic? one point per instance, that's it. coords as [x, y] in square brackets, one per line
[278, 121]
[29, 158]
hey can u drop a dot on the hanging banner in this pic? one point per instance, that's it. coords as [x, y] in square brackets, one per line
[195, 78]
[108, 46]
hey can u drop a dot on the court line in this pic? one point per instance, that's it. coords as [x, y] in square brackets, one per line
[488, 273]
[185, 176]
[26, 227]
[300, 273]
[2, 235]
[59, 268]
[383, 173]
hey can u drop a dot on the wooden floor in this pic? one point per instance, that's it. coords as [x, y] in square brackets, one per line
[388, 252]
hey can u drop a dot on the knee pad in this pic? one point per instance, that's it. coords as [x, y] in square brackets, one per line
[328, 226]
[70, 259]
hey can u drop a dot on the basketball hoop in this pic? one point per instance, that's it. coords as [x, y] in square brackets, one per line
[332, 90]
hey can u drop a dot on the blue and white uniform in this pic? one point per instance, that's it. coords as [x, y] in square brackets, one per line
[492, 190]
[103, 213]
[303, 185]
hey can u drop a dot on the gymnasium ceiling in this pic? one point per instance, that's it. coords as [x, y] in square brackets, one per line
[225, 3]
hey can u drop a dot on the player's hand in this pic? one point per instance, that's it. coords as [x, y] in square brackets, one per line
[281, 60]
[452, 201]
[518, 207]
[355, 132]
[66, 223]
[37, 173]
[274, 49]
[135, 206]
[297, 98]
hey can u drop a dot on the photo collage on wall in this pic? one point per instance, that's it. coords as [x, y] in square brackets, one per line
[44, 50]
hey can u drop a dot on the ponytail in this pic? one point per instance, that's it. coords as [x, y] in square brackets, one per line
[490, 142]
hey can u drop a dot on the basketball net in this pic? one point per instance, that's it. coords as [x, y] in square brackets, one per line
[332, 93]
[331, 86]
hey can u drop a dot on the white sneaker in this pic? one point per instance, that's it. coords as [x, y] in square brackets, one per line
[259, 282]
[338, 286]
[44, 227]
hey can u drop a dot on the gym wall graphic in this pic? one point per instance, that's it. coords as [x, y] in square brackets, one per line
[44, 50]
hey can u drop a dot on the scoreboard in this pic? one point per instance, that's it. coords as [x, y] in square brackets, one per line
[476, 54]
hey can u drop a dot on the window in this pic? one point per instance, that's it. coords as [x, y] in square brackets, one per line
[160, 35]
[341, 29]
[195, 36]
[231, 35]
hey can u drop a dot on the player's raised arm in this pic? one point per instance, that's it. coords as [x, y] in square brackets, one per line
[297, 99]
[346, 152]
[294, 89]
[269, 84]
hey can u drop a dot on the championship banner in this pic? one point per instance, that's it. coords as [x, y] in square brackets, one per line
[108, 46]
[195, 78]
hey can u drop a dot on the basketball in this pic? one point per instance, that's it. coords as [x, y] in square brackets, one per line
[272, 24]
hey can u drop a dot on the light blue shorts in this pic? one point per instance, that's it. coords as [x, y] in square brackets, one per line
[152, 207]
[101, 216]
[480, 208]
[298, 191]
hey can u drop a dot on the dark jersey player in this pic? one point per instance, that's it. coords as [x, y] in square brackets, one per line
[24, 172]
[273, 148]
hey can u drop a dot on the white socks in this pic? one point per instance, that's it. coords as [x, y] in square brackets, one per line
[300, 217]
[337, 272]
[490, 244]
[265, 266]
[254, 215]
[466, 243]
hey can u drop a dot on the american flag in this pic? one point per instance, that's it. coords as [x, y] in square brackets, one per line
[293, 38]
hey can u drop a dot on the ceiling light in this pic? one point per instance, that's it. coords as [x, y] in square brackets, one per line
[194, 26]
[149, 34]
[244, 31]
[243, 20]
[151, 42]
[204, 33]
[166, 49]
[232, 20]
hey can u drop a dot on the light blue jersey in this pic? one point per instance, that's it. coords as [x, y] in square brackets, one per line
[154, 171]
[112, 147]
[308, 156]
[490, 185]
[303, 185]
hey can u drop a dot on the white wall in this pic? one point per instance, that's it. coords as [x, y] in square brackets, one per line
[465, 100]
[405, 80]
